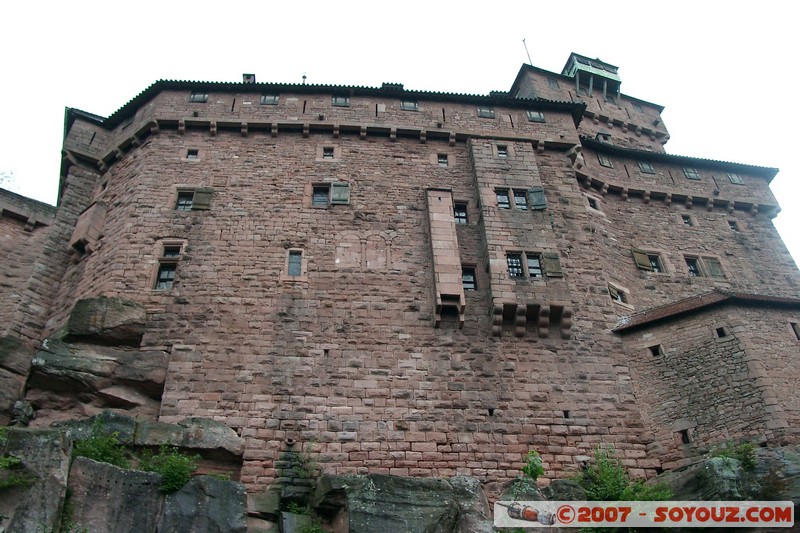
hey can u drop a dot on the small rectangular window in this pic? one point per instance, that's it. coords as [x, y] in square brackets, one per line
[340, 101]
[166, 276]
[520, 200]
[514, 261]
[638, 107]
[713, 267]
[693, 266]
[184, 201]
[552, 83]
[192, 153]
[534, 265]
[320, 196]
[796, 329]
[603, 137]
[735, 179]
[687, 219]
[171, 252]
[617, 294]
[655, 350]
[485, 112]
[733, 225]
[409, 105]
[721, 332]
[327, 152]
[468, 279]
[593, 203]
[503, 201]
[460, 213]
[198, 97]
[646, 167]
[269, 99]
[502, 150]
[605, 161]
[647, 261]
[295, 265]
[691, 173]
[442, 160]
[535, 116]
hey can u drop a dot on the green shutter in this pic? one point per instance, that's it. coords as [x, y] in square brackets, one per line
[340, 193]
[202, 199]
[642, 261]
[536, 198]
[714, 268]
[552, 265]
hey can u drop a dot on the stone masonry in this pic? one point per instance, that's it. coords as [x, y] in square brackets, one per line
[297, 251]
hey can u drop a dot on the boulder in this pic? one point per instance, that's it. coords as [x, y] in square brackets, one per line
[205, 504]
[475, 515]
[108, 421]
[388, 503]
[35, 504]
[110, 321]
[214, 438]
[113, 500]
[564, 490]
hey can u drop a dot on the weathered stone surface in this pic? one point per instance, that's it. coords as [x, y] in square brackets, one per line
[474, 512]
[110, 423]
[14, 355]
[259, 525]
[192, 433]
[717, 478]
[389, 503]
[266, 503]
[111, 321]
[294, 523]
[205, 504]
[564, 490]
[44, 456]
[111, 499]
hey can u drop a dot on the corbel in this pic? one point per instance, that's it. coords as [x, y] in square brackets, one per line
[754, 210]
[363, 133]
[393, 134]
[181, 126]
[689, 202]
[154, 127]
[540, 146]
[244, 129]
[213, 128]
[274, 129]
[452, 138]
[306, 129]
[497, 319]
[336, 131]
[519, 320]
[646, 197]
[544, 322]
[624, 194]
[668, 198]
[423, 136]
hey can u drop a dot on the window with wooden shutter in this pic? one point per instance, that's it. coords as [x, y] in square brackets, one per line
[537, 199]
[552, 265]
[713, 267]
[642, 260]
[340, 193]
[202, 199]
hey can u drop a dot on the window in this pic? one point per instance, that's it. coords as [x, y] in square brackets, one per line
[552, 83]
[733, 225]
[647, 261]
[327, 194]
[691, 173]
[687, 219]
[485, 112]
[468, 278]
[167, 266]
[605, 161]
[638, 107]
[514, 261]
[460, 213]
[193, 200]
[409, 105]
[535, 116]
[721, 332]
[269, 99]
[199, 98]
[502, 150]
[712, 267]
[617, 294]
[295, 264]
[520, 200]
[442, 160]
[646, 167]
[694, 266]
[593, 203]
[796, 329]
[327, 152]
[340, 101]
[536, 265]
[655, 350]
[735, 179]
[192, 153]
[603, 137]
[184, 201]
[502, 199]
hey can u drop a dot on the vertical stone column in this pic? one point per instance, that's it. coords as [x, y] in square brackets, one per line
[447, 285]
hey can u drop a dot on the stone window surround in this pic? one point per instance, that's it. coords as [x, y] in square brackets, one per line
[303, 277]
[158, 251]
[622, 290]
[337, 153]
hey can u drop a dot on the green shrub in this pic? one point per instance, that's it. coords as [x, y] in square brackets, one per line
[174, 466]
[745, 453]
[607, 480]
[9, 474]
[533, 466]
[102, 447]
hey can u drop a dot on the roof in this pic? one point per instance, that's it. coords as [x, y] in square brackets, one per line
[395, 90]
[644, 155]
[706, 300]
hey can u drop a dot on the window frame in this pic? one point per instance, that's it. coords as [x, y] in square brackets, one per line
[269, 99]
[502, 151]
[443, 160]
[485, 112]
[328, 153]
[648, 261]
[197, 97]
[735, 178]
[184, 200]
[645, 167]
[294, 263]
[693, 266]
[167, 268]
[503, 192]
[536, 117]
[553, 83]
[691, 173]
[319, 188]
[687, 220]
[618, 294]
[458, 209]
[409, 105]
[466, 272]
[338, 100]
[604, 160]
[544, 258]
[520, 199]
[192, 154]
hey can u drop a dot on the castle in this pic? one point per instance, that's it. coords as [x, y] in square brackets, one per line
[406, 282]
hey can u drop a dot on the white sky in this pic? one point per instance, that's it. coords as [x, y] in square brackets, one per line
[725, 71]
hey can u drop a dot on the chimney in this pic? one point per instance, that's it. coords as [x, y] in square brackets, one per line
[248, 78]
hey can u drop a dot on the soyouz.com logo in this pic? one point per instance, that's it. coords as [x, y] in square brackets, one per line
[643, 514]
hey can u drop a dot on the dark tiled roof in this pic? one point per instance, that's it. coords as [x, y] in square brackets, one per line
[698, 302]
[644, 155]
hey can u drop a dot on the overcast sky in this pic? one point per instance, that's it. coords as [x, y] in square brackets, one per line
[725, 71]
